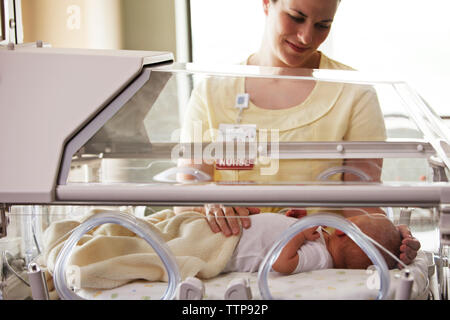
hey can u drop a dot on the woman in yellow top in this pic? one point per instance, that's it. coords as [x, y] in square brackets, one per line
[300, 110]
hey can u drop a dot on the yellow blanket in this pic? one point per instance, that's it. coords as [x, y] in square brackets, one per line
[111, 255]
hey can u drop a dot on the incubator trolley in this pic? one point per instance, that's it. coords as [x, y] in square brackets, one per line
[92, 142]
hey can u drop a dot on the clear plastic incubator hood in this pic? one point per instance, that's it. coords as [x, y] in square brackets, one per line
[103, 152]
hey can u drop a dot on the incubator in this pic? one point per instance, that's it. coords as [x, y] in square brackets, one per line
[94, 145]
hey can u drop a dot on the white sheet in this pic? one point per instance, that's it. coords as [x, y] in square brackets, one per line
[325, 284]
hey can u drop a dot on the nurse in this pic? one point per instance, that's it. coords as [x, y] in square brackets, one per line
[296, 110]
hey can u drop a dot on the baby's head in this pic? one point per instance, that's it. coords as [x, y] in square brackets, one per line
[348, 255]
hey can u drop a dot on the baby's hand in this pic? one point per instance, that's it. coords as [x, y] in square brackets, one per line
[409, 246]
[311, 234]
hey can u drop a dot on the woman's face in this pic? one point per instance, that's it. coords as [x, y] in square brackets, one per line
[296, 28]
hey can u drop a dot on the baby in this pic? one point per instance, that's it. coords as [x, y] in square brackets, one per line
[313, 248]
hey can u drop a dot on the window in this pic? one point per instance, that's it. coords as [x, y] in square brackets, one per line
[225, 32]
[2, 21]
[405, 39]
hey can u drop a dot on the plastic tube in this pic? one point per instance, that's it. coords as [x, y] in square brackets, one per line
[333, 221]
[129, 222]
[323, 176]
[170, 175]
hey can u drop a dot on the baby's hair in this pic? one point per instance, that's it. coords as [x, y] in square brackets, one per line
[380, 229]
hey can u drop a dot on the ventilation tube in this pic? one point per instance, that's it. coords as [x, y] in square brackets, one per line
[334, 221]
[344, 169]
[170, 175]
[129, 222]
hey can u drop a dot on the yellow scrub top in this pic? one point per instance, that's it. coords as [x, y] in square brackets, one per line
[332, 112]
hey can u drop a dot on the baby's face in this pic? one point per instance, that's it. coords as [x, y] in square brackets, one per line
[336, 244]
[347, 254]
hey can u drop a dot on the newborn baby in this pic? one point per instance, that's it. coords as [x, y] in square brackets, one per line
[313, 248]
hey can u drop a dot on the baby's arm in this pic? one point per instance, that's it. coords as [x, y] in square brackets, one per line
[288, 259]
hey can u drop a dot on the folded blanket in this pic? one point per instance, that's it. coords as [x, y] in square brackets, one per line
[111, 255]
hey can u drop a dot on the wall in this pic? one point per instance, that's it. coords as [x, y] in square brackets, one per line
[73, 23]
[101, 24]
[149, 25]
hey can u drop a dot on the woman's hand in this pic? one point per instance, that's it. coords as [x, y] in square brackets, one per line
[296, 213]
[409, 246]
[225, 219]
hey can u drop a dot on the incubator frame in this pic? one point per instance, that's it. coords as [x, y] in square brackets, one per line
[434, 147]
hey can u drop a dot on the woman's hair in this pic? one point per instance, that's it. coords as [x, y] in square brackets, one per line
[380, 229]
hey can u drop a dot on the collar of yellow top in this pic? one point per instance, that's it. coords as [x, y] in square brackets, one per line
[319, 102]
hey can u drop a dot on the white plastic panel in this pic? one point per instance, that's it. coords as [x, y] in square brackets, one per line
[46, 96]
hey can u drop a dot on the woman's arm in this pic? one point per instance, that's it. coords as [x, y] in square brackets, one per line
[372, 168]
